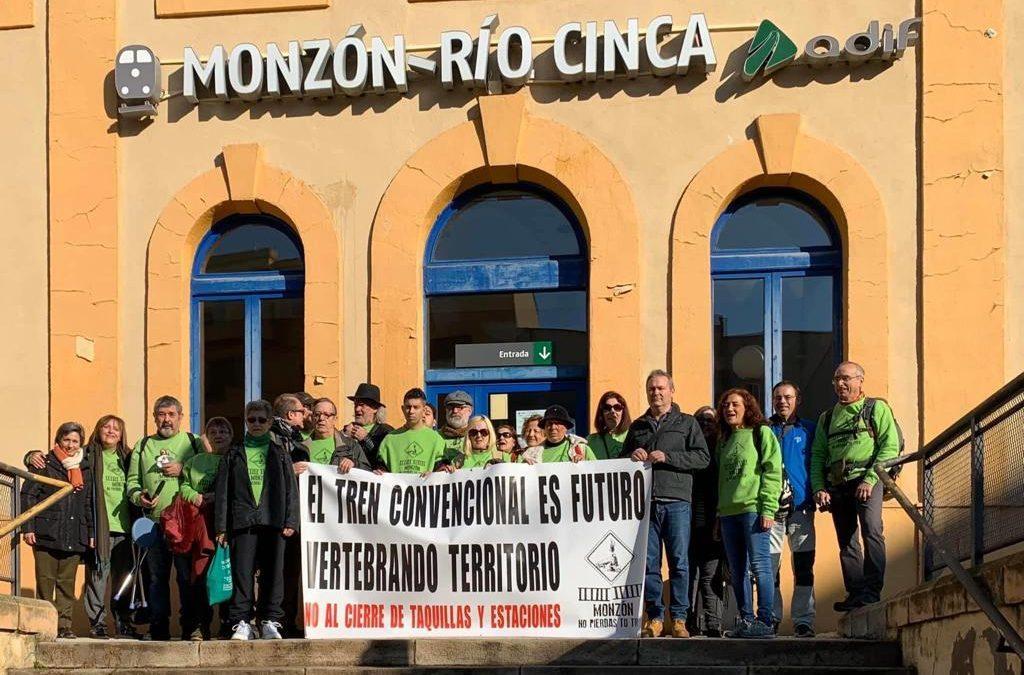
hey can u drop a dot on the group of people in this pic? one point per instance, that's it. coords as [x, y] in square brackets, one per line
[730, 487]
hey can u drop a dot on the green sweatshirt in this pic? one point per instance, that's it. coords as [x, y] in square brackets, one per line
[412, 450]
[743, 486]
[114, 498]
[321, 450]
[560, 452]
[849, 439]
[198, 475]
[145, 475]
[478, 460]
[606, 446]
[256, 449]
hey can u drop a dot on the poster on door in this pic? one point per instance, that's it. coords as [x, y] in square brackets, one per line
[511, 550]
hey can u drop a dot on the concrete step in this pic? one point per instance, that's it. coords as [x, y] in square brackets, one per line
[476, 670]
[529, 655]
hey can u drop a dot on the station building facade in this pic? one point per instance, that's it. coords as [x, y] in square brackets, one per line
[740, 198]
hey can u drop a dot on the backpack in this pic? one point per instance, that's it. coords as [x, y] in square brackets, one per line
[786, 496]
[867, 414]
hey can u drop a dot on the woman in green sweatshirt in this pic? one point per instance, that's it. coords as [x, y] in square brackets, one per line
[749, 485]
[480, 448]
[611, 422]
[198, 475]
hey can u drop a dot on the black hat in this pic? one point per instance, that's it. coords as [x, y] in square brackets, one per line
[368, 392]
[557, 413]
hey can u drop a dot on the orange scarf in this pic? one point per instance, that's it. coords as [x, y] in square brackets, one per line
[71, 464]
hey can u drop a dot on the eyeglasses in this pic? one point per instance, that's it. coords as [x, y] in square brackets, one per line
[506, 434]
[479, 433]
[612, 407]
[256, 420]
[846, 378]
[324, 414]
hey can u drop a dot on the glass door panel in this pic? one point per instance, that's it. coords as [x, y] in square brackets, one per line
[281, 345]
[808, 338]
[223, 361]
[739, 335]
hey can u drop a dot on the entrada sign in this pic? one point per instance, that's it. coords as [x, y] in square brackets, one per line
[582, 51]
[504, 354]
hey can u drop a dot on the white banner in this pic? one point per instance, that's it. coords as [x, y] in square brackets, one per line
[551, 550]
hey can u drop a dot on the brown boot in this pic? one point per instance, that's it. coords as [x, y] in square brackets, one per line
[653, 628]
[679, 629]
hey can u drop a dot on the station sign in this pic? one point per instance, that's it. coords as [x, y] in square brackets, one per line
[486, 60]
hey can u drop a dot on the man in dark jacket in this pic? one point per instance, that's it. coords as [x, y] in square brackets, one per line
[368, 427]
[674, 445]
[256, 509]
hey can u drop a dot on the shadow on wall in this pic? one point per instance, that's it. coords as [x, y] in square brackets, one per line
[547, 88]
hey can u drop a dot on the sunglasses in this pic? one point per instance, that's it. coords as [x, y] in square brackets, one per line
[475, 433]
[506, 434]
[612, 407]
[256, 420]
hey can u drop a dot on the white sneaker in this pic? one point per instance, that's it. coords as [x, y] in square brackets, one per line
[271, 630]
[243, 631]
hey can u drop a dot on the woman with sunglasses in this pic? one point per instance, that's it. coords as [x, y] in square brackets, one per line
[507, 440]
[611, 422]
[480, 448]
[256, 509]
[749, 484]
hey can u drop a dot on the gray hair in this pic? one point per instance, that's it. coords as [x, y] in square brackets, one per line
[283, 402]
[167, 402]
[658, 372]
[261, 406]
[858, 369]
[380, 415]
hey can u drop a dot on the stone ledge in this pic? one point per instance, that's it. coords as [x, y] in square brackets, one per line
[525, 651]
[28, 616]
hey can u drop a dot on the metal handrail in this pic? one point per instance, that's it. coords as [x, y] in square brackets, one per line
[952, 562]
[63, 489]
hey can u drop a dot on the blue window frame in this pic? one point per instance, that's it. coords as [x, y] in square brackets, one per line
[776, 270]
[507, 264]
[246, 316]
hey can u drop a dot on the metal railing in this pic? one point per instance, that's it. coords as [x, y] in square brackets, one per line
[972, 494]
[973, 480]
[10, 558]
[14, 518]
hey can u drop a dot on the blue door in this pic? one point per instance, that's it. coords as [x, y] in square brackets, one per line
[247, 317]
[776, 270]
[508, 265]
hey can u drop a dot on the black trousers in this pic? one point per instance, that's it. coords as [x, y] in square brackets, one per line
[863, 568]
[257, 549]
[292, 602]
[707, 580]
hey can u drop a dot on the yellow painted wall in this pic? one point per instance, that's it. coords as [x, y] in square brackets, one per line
[23, 258]
[658, 135]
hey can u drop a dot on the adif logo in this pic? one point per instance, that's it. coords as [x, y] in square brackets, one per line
[770, 50]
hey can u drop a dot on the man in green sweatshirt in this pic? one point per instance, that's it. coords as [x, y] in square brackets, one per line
[152, 482]
[846, 446]
[415, 448]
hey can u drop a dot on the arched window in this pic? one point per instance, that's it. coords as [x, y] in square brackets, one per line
[505, 278]
[247, 317]
[775, 264]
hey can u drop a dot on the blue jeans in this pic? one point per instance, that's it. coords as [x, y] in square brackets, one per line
[159, 560]
[746, 545]
[670, 524]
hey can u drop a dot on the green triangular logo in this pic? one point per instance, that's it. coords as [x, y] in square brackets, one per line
[770, 50]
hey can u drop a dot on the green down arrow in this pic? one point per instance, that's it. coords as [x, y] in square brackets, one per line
[542, 353]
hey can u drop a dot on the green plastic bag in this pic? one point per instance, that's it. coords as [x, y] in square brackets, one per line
[218, 577]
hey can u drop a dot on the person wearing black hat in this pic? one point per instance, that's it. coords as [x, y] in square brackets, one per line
[559, 444]
[368, 427]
